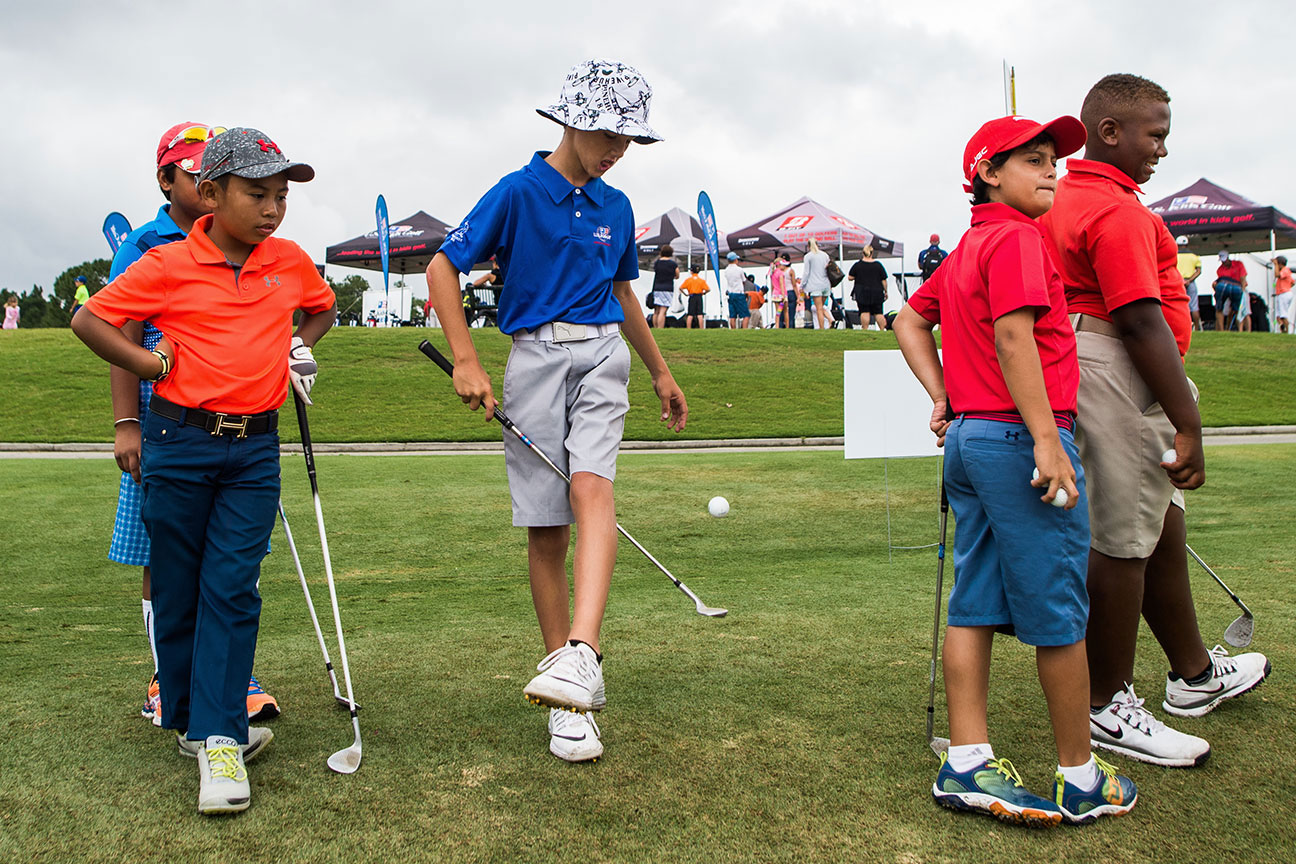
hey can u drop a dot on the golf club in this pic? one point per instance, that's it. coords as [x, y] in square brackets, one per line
[347, 760]
[1239, 632]
[446, 366]
[310, 604]
[938, 745]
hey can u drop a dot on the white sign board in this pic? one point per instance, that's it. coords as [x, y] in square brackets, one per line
[887, 411]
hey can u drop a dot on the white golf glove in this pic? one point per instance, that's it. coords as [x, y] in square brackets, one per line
[302, 369]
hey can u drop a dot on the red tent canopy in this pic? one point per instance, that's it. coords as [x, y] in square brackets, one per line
[790, 229]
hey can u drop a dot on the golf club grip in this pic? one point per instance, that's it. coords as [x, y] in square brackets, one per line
[447, 367]
[304, 426]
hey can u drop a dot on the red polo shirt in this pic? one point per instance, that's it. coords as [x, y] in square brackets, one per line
[231, 333]
[1111, 250]
[1231, 269]
[1001, 265]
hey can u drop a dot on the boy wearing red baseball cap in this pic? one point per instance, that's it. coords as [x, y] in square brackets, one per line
[1009, 381]
[224, 297]
[179, 156]
[1129, 308]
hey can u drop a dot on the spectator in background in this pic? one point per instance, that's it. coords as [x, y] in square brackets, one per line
[816, 281]
[931, 257]
[1190, 269]
[1282, 293]
[778, 285]
[736, 293]
[1230, 294]
[11, 313]
[665, 272]
[696, 288]
[870, 289]
[755, 300]
[82, 295]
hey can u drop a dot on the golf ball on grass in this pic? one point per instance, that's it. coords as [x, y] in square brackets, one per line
[718, 507]
[1060, 499]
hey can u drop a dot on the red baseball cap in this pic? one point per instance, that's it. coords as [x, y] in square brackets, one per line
[183, 145]
[1005, 133]
[935, 238]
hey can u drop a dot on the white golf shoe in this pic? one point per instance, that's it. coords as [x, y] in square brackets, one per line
[222, 778]
[570, 678]
[1230, 676]
[574, 737]
[1124, 726]
[258, 738]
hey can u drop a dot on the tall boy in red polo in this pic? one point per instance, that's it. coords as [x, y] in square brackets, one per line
[1009, 376]
[224, 298]
[1130, 312]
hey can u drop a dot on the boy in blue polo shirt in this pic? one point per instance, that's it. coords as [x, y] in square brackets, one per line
[564, 241]
[179, 157]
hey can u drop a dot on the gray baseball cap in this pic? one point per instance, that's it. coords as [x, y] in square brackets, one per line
[249, 153]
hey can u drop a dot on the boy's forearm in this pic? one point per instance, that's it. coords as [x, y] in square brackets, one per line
[114, 346]
[637, 332]
[918, 345]
[314, 325]
[1146, 336]
[443, 291]
[124, 384]
[1020, 362]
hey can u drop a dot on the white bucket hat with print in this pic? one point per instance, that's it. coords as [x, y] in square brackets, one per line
[606, 96]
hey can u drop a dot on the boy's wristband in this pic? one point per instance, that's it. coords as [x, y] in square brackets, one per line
[166, 365]
[125, 420]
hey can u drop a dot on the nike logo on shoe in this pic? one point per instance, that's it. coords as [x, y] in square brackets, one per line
[1218, 687]
[1116, 733]
[568, 737]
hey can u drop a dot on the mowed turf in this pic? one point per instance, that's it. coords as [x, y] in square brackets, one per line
[791, 730]
[374, 385]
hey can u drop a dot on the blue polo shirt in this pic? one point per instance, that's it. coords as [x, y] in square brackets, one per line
[159, 232]
[559, 247]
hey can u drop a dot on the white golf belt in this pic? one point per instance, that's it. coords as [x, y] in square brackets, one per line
[561, 331]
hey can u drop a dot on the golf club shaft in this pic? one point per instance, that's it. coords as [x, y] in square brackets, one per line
[304, 425]
[447, 367]
[940, 581]
[310, 604]
[1229, 590]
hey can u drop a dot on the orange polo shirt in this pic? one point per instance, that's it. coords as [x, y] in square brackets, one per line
[231, 334]
[695, 285]
[1112, 250]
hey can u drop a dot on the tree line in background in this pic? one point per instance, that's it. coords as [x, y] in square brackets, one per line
[37, 309]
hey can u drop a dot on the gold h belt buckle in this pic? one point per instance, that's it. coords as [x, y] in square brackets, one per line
[224, 424]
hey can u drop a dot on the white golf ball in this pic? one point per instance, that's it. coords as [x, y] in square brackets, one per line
[1170, 456]
[718, 507]
[1060, 499]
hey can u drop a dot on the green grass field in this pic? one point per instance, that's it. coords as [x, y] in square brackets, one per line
[375, 386]
[790, 731]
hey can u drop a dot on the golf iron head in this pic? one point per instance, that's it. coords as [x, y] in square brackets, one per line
[1239, 632]
[939, 746]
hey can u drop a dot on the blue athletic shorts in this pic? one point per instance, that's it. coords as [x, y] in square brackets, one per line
[1018, 560]
[738, 306]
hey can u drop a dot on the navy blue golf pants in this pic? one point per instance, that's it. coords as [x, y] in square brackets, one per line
[209, 506]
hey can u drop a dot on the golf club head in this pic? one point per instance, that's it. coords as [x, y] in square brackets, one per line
[1239, 632]
[939, 746]
[345, 761]
[712, 612]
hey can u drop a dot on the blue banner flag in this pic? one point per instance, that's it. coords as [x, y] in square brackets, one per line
[706, 216]
[380, 212]
[115, 229]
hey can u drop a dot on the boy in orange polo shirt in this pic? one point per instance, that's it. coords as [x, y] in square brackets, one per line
[696, 288]
[224, 297]
[1129, 309]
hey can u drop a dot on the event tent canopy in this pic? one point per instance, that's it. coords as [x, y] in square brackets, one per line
[1213, 218]
[412, 243]
[678, 228]
[790, 229]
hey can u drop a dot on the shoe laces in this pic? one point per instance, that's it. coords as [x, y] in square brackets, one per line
[223, 762]
[1130, 709]
[561, 720]
[254, 687]
[1004, 767]
[581, 663]
[1221, 663]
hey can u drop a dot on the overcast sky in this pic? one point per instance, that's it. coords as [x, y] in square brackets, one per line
[863, 106]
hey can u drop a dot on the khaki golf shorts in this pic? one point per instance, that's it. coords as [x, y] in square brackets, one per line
[1121, 432]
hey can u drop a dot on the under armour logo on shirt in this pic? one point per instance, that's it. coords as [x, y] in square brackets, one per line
[272, 281]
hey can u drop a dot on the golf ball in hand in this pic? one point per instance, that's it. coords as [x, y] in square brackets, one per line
[1060, 499]
[1170, 456]
[718, 507]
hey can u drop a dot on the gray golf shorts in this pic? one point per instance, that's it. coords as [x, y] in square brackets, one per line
[570, 399]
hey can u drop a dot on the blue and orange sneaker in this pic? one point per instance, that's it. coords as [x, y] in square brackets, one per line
[152, 709]
[260, 704]
[1112, 795]
[994, 788]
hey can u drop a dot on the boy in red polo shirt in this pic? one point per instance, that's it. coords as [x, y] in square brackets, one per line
[1009, 378]
[224, 297]
[1130, 312]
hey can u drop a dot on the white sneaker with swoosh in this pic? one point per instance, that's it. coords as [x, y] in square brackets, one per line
[1124, 726]
[574, 737]
[1230, 676]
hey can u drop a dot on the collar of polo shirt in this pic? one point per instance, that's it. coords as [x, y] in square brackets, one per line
[559, 187]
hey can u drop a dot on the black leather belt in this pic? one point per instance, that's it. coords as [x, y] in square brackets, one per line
[215, 422]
